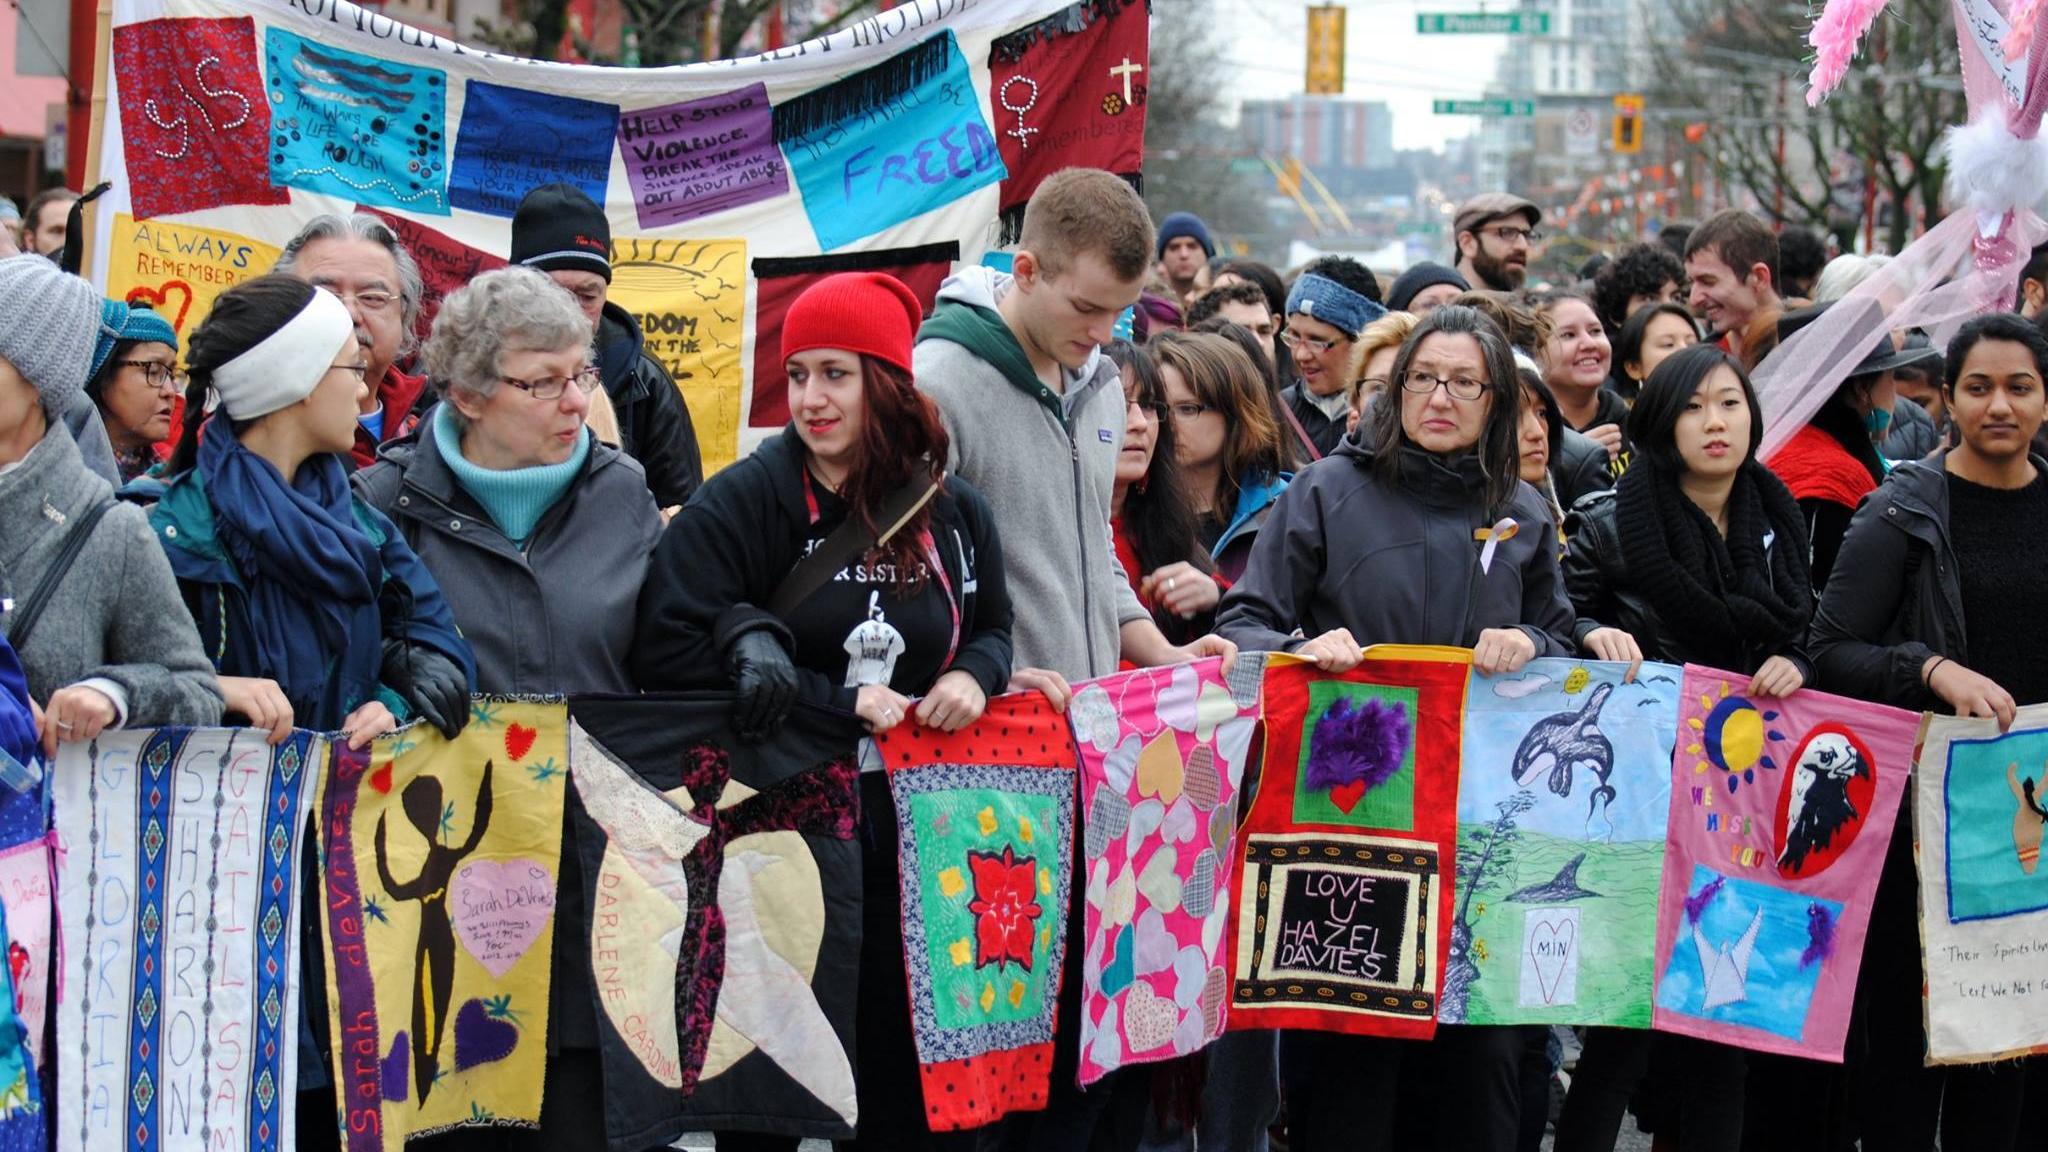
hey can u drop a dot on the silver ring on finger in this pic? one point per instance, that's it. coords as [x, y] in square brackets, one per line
[1169, 583]
[64, 726]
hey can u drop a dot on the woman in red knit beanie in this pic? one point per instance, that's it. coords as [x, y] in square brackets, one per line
[908, 622]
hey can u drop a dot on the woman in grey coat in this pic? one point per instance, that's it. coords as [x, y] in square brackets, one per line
[1417, 530]
[115, 647]
[539, 536]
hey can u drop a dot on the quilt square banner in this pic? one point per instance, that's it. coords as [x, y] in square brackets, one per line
[1781, 811]
[986, 820]
[889, 143]
[1163, 754]
[723, 882]
[365, 129]
[1562, 812]
[442, 858]
[1980, 806]
[26, 890]
[178, 887]
[1069, 92]
[194, 122]
[1340, 923]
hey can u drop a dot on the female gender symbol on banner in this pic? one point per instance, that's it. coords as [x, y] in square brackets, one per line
[1021, 134]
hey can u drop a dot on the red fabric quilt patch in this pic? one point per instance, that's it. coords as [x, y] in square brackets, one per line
[1069, 92]
[194, 123]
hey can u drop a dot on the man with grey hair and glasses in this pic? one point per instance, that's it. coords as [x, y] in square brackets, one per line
[360, 259]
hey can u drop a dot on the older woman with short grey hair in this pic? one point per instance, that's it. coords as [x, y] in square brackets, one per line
[539, 535]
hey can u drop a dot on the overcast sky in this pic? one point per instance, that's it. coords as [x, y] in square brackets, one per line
[1384, 58]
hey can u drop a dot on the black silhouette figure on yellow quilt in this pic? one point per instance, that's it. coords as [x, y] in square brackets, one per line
[435, 955]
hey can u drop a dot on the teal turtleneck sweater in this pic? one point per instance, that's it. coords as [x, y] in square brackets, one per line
[516, 498]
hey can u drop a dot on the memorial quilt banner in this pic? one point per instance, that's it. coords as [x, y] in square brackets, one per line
[723, 882]
[442, 858]
[1980, 806]
[986, 820]
[178, 888]
[1163, 754]
[1781, 811]
[1562, 810]
[25, 894]
[1341, 922]
[231, 123]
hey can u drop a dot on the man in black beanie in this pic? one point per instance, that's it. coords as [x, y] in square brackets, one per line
[563, 232]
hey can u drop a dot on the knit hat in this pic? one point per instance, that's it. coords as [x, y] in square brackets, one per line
[559, 228]
[869, 313]
[53, 318]
[121, 321]
[1321, 298]
[1408, 285]
[1184, 224]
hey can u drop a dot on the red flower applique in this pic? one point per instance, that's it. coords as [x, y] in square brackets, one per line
[1005, 906]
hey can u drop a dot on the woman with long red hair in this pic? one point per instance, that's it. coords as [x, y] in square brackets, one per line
[908, 602]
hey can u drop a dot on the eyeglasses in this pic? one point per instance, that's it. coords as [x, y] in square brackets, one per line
[1189, 411]
[1511, 233]
[1154, 410]
[551, 387]
[1374, 383]
[1293, 339]
[1460, 387]
[362, 371]
[371, 300]
[156, 372]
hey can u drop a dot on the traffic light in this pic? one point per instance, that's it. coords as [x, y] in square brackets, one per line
[1628, 124]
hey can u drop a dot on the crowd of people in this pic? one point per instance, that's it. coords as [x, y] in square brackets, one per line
[328, 518]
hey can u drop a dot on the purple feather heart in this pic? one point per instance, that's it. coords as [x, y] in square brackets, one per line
[393, 1073]
[479, 1039]
[1358, 742]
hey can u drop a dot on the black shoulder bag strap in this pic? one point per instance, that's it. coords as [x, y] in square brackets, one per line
[846, 544]
[31, 610]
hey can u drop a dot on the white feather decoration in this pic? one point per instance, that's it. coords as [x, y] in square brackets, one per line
[1993, 170]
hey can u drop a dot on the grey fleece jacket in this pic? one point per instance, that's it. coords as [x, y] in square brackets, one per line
[1048, 475]
[118, 618]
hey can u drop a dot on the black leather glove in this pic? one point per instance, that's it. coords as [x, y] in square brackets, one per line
[763, 679]
[431, 684]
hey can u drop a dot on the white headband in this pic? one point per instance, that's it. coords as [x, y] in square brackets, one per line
[285, 366]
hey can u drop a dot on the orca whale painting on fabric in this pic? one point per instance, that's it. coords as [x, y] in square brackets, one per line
[1340, 918]
[1562, 813]
[723, 884]
[1781, 815]
[1983, 895]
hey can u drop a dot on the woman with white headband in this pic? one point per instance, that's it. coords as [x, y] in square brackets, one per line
[312, 607]
[314, 610]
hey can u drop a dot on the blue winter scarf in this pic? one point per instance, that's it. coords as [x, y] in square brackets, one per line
[311, 575]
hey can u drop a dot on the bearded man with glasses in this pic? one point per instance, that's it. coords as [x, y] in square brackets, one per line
[1494, 233]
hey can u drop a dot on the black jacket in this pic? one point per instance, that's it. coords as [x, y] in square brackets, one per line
[1602, 587]
[1396, 564]
[1579, 467]
[728, 550]
[654, 424]
[1896, 598]
[1324, 432]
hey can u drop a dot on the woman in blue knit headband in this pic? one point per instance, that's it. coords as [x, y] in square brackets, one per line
[1324, 317]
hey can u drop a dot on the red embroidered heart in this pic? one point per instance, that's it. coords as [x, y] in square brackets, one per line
[1347, 796]
[159, 299]
[381, 779]
[519, 740]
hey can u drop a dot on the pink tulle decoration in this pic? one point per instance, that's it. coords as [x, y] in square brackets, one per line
[1834, 38]
[2022, 18]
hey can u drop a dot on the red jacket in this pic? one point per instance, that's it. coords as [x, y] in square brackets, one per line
[397, 394]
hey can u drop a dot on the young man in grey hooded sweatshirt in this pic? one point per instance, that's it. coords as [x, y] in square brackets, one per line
[1036, 413]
